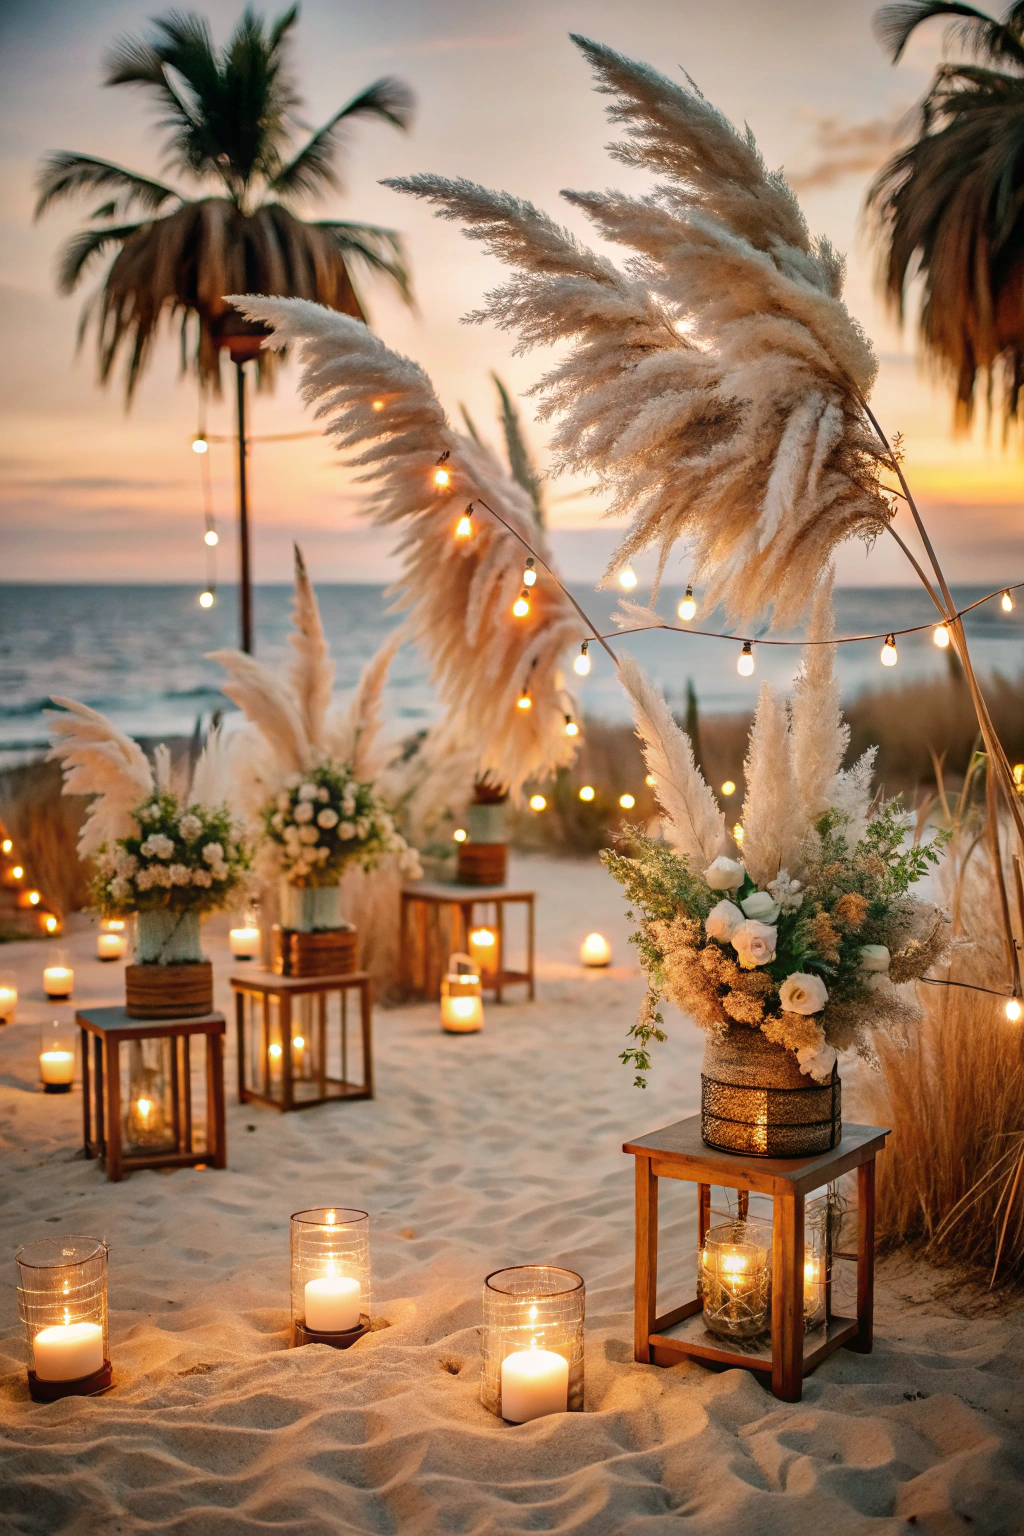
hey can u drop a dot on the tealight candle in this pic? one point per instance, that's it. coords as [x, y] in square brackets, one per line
[483, 948]
[8, 997]
[534, 1383]
[595, 950]
[245, 943]
[111, 946]
[332, 1304]
[67, 1351]
[58, 981]
[57, 1070]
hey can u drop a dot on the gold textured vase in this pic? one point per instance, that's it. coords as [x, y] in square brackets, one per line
[755, 1099]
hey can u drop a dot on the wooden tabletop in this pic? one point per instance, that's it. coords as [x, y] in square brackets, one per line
[116, 1021]
[678, 1152]
[268, 981]
[435, 891]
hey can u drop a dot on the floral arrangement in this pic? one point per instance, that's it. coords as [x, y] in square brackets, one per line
[325, 819]
[181, 858]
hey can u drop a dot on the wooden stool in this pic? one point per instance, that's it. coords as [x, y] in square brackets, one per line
[174, 1146]
[273, 1013]
[426, 940]
[677, 1152]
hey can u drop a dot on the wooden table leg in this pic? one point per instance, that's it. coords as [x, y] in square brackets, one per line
[216, 1117]
[404, 965]
[530, 946]
[100, 1097]
[788, 1297]
[241, 1002]
[861, 1344]
[284, 1006]
[499, 923]
[186, 1090]
[115, 1161]
[366, 1007]
[645, 1286]
[86, 1107]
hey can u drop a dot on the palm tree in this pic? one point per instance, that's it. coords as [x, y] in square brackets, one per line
[950, 207]
[228, 113]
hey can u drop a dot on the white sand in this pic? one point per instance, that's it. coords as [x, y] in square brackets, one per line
[478, 1151]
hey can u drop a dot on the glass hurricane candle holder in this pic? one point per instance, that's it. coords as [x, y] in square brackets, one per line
[817, 1261]
[330, 1266]
[462, 1004]
[483, 949]
[112, 939]
[62, 1298]
[148, 1114]
[245, 939]
[532, 1342]
[735, 1279]
[58, 977]
[8, 996]
[57, 1055]
[595, 951]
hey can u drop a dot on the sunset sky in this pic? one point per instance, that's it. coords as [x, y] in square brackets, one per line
[92, 494]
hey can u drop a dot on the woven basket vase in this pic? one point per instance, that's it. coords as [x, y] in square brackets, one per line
[756, 1101]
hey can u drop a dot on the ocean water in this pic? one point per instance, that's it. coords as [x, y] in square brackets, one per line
[138, 653]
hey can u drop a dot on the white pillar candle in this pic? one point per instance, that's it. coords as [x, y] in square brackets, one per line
[245, 943]
[67, 1351]
[57, 1067]
[8, 1003]
[483, 948]
[332, 1304]
[58, 980]
[534, 1382]
[462, 1015]
[595, 950]
[111, 946]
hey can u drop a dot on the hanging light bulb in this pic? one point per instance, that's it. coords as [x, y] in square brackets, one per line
[460, 834]
[737, 833]
[442, 476]
[1006, 602]
[940, 634]
[538, 803]
[1013, 1009]
[199, 443]
[521, 606]
[729, 787]
[581, 666]
[889, 656]
[529, 575]
[524, 701]
[6, 845]
[378, 405]
[464, 526]
[627, 578]
[627, 802]
[745, 664]
[211, 537]
[688, 607]
[571, 728]
[587, 792]
[650, 781]
[206, 599]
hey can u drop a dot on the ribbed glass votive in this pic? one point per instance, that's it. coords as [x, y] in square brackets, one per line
[533, 1342]
[736, 1279]
[330, 1265]
[62, 1298]
[57, 1055]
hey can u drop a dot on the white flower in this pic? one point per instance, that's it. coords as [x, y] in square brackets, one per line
[180, 874]
[724, 874]
[874, 957]
[202, 877]
[213, 853]
[323, 794]
[190, 826]
[122, 863]
[309, 835]
[817, 1061]
[119, 889]
[788, 893]
[346, 831]
[277, 821]
[802, 993]
[327, 818]
[148, 813]
[157, 846]
[362, 827]
[303, 812]
[219, 871]
[293, 780]
[348, 802]
[409, 864]
[754, 944]
[144, 878]
[307, 791]
[760, 905]
[284, 801]
[722, 921]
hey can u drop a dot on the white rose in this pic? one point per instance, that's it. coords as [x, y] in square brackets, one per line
[346, 831]
[874, 957]
[213, 853]
[307, 791]
[144, 879]
[327, 818]
[724, 874]
[157, 846]
[309, 835]
[817, 1061]
[722, 921]
[801, 993]
[303, 811]
[180, 874]
[363, 827]
[323, 794]
[190, 826]
[760, 905]
[277, 821]
[203, 878]
[754, 944]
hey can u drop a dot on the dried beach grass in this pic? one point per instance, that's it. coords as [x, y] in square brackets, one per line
[45, 827]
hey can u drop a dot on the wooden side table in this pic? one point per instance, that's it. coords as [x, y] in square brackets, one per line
[677, 1152]
[293, 1038]
[426, 939]
[106, 1124]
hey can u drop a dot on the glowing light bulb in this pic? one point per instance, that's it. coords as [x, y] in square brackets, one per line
[889, 655]
[627, 578]
[51, 924]
[529, 575]
[687, 607]
[627, 802]
[274, 1050]
[442, 478]
[571, 728]
[206, 599]
[737, 833]
[1013, 1010]
[729, 787]
[17, 871]
[745, 664]
[378, 405]
[538, 803]
[1018, 776]
[581, 666]
[1006, 601]
[521, 606]
[524, 701]
[33, 898]
[460, 834]
[199, 444]
[7, 845]
[650, 781]
[464, 526]
[587, 792]
[940, 635]
[211, 537]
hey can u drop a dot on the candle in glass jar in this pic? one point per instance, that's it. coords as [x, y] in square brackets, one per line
[534, 1382]
[8, 1002]
[483, 948]
[58, 980]
[245, 943]
[57, 1069]
[595, 950]
[67, 1351]
[332, 1303]
[111, 946]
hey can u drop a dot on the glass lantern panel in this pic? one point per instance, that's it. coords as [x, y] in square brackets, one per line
[148, 1117]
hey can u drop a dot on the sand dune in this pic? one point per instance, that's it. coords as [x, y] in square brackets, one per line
[478, 1152]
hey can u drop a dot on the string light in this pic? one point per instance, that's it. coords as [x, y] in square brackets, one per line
[51, 924]
[7, 845]
[627, 802]
[737, 833]
[571, 728]
[521, 606]
[442, 476]
[378, 405]
[529, 575]
[17, 872]
[464, 526]
[745, 664]
[460, 834]
[650, 781]
[33, 898]
[581, 666]
[728, 788]
[1007, 602]
[889, 654]
[1018, 779]
[627, 578]
[587, 792]
[199, 444]
[1013, 1010]
[940, 634]
[538, 803]
[206, 598]
[687, 607]
[211, 537]
[525, 702]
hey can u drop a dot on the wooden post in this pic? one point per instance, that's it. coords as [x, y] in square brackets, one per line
[788, 1297]
[217, 1142]
[244, 569]
[86, 1126]
[366, 1016]
[865, 1259]
[115, 1162]
[242, 1001]
[101, 1108]
[186, 1088]
[529, 945]
[645, 1299]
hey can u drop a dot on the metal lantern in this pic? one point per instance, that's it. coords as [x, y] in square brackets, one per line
[462, 1006]
[330, 1276]
[62, 1298]
[533, 1342]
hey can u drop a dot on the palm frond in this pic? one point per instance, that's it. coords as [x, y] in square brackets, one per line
[79, 250]
[100, 761]
[379, 250]
[64, 174]
[312, 671]
[313, 168]
[1000, 41]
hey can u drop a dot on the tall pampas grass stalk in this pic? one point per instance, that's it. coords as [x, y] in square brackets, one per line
[382, 412]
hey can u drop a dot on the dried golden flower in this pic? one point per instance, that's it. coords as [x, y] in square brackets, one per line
[851, 910]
